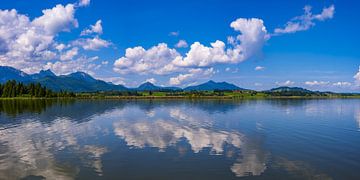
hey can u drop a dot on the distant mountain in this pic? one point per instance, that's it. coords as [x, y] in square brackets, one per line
[10, 73]
[81, 76]
[75, 82]
[211, 85]
[289, 89]
[78, 82]
[42, 74]
[147, 86]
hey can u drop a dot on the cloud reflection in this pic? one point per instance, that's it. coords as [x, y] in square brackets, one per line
[196, 127]
[31, 149]
[36, 144]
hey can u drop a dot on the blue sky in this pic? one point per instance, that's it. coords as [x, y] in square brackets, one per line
[256, 44]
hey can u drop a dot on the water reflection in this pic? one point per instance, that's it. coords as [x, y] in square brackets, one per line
[357, 117]
[195, 127]
[91, 138]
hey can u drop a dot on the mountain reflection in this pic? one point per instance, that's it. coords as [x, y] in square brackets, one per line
[58, 140]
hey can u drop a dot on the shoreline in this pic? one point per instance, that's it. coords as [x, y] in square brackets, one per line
[179, 98]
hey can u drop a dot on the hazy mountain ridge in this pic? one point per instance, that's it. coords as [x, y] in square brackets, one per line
[75, 82]
[211, 85]
[83, 82]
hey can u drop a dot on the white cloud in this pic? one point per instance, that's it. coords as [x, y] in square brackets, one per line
[191, 76]
[317, 83]
[26, 44]
[181, 44]
[342, 84]
[156, 60]
[81, 64]
[227, 69]
[252, 37]
[60, 47]
[286, 83]
[60, 18]
[70, 54]
[327, 13]
[357, 78]
[259, 68]
[202, 56]
[174, 33]
[84, 3]
[163, 60]
[96, 28]
[31, 45]
[93, 44]
[258, 84]
[306, 21]
[231, 40]
[151, 80]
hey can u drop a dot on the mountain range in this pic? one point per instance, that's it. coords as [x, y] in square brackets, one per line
[83, 82]
[74, 82]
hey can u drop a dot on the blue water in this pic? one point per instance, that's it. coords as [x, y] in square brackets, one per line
[205, 139]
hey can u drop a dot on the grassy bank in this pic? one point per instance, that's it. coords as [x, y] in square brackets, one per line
[227, 97]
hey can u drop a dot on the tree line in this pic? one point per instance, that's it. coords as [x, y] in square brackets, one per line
[18, 89]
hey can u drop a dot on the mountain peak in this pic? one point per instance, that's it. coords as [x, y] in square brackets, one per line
[10, 73]
[212, 85]
[47, 72]
[81, 75]
[147, 83]
[148, 86]
[42, 74]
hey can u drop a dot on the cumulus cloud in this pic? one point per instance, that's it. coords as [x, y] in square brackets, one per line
[342, 84]
[70, 54]
[59, 18]
[84, 3]
[80, 64]
[252, 37]
[60, 46]
[156, 60]
[317, 83]
[339, 84]
[93, 44]
[357, 78]
[191, 76]
[181, 44]
[306, 21]
[26, 44]
[161, 59]
[286, 83]
[31, 45]
[94, 29]
[259, 68]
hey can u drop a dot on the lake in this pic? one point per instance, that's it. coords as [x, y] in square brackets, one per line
[180, 139]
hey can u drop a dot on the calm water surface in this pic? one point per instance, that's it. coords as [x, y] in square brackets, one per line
[111, 139]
